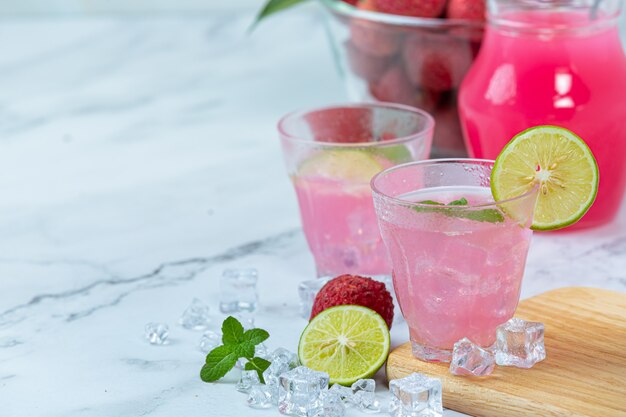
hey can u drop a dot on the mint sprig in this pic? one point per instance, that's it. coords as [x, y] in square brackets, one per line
[274, 6]
[236, 344]
[484, 215]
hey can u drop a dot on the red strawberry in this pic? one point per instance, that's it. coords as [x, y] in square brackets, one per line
[368, 67]
[448, 135]
[367, 5]
[435, 61]
[395, 87]
[354, 289]
[417, 8]
[374, 38]
[466, 9]
[351, 2]
[341, 125]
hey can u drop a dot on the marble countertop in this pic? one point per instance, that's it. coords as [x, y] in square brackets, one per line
[139, 159]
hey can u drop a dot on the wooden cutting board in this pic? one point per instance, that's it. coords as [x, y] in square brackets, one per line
[584, 373]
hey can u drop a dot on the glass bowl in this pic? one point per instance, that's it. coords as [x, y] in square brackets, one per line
[419, 62]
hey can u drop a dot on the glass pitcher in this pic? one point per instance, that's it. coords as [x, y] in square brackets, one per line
[556, 62]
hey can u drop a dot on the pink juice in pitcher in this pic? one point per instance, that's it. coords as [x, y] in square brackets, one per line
[456, 273]
[554, 66]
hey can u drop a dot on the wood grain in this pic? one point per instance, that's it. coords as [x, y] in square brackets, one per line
[584, 373]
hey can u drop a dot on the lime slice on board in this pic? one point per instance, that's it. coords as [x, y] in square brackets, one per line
[349, 165]
[563, 166]
[349, 342]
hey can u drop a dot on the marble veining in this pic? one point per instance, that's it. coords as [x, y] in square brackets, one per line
[139, 160]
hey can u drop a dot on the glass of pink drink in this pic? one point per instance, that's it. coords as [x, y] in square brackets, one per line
[458, 257]
[552, 62]
[331, 155]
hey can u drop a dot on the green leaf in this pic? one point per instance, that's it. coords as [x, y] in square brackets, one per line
[485, 215]
[274, 6]
[255, 336]
[460, 202]
[232, 331]
[218, 362]
[434, 203]
[244, 350]
[397, 153]
[259, 365]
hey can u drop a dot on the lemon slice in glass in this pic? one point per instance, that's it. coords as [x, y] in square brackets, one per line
[355, 166]
[556, 160]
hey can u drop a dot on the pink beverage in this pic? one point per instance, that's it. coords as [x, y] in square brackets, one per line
[552, 66]
[332, 154]
[340, 226]
[458, 265]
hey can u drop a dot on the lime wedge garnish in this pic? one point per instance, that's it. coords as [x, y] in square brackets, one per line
[348, 342]
[351, 165]
[397, 154]
[560, 163]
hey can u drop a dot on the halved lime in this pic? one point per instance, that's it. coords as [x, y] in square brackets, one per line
[563, 166]
[349, 342]
[351, 165]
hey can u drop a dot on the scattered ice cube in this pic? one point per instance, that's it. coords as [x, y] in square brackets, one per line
[261, 396]
[343, 393]
[471, 359]
[157, 333]
[307, 291]
[332, 406]
[366, 402]
[233, 376]
[260, 351]
[300, 391]
[283, 355]
[364, 396]
[196, 316]
[238, 290]
[520, 343]
[241, 363]
[271, 375]
[246, 320]
[368, 385]
[247, 381]
[416, 395]
[209, 341]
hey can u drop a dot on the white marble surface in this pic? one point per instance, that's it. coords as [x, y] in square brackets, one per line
[138, 160]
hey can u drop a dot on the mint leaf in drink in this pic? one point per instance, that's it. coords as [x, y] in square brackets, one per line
[485, 215]
[232, 331]
[259, 365]
[218, 362]
[236, 344]
[460, 202]
[255, 336]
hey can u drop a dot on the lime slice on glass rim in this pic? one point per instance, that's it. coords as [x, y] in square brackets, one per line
[561, 164]
[349, 342]
[349, 164]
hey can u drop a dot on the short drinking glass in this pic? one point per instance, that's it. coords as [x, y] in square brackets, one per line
[458, 257]
[331, 155]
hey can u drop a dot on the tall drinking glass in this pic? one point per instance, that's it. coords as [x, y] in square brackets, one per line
[331, 155]
[458, 257]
